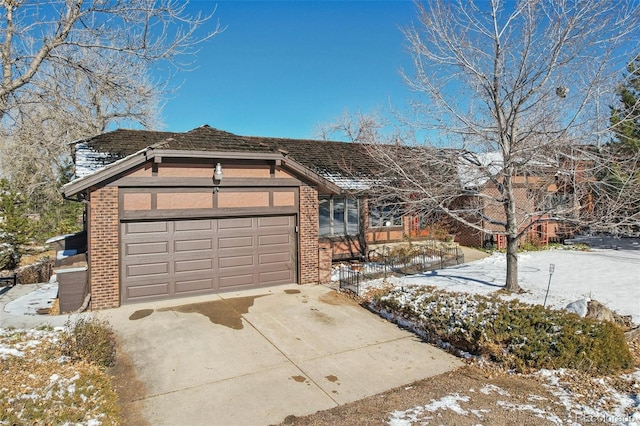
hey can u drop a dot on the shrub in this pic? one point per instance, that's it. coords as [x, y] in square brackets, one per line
[516, 335]
[15, 228]
[89, 340]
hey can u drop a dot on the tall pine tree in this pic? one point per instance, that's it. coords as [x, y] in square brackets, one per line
[625, 117]
[621, 179]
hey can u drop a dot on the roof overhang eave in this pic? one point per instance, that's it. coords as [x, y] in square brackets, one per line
[78, 185]
[158, 154]
[153, 154]
[324, 184]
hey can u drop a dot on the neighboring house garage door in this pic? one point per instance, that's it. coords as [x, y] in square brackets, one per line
[164, 259]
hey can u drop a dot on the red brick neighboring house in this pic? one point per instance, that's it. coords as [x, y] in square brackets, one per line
[542, 232]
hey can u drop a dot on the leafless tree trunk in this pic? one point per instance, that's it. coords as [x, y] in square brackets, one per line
[71, 68]
[508, 88]
[519, 79]
[38, 36]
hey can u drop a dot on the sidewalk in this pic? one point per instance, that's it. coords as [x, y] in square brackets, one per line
[471, 254]
[18, 306]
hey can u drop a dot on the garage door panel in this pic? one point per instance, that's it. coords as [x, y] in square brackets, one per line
[235, 261]
[267, 240]
[274, 258]
[147, 269]
[193, 245]
[271, 221]
[193, 225]
[194, 265]
[235, 242]
[150, 248]
[275, 230]
[147, 291]
[167, 258]
[133, 228]
[189, 286]
[274, 250]
[275, 278]
[235, 281]
[235, 224]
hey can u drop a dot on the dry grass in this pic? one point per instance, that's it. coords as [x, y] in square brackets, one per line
[35, 256]
[38, 385]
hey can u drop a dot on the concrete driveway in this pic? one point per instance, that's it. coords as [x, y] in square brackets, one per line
[255, 357]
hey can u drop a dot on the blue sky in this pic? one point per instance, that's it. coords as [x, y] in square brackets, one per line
[281, 68]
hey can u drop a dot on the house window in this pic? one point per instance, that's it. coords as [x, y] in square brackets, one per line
[382, 216]
[338, 216]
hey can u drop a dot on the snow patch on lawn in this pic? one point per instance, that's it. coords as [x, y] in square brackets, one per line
[418, 414]
[538, 412]
[488, 389]
[60, 385]
[611, 277]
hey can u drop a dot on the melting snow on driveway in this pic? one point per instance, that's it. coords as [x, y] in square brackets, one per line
[41, 297]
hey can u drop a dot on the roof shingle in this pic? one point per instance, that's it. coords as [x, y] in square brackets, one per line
[340, 162]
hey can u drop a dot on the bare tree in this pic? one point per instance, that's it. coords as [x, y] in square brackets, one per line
[71, 69]
[509, 88]
[40, 36]
[354, 127]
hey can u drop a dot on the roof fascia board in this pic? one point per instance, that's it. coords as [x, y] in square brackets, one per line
[235, 155]
[120, 166]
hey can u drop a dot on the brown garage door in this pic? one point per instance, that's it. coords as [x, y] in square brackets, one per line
[163, 259]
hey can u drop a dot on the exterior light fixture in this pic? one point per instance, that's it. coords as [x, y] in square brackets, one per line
[217, 173]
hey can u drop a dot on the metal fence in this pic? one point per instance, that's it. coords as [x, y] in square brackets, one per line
[387, 262]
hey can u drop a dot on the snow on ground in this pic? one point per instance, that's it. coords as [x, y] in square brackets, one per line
[51, 386]
[621, 409]
[422, 413]
[611, 277]
[42, 297]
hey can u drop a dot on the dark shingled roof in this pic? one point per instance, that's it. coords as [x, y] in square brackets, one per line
[331, 157]
[323, 157]
[124, 142]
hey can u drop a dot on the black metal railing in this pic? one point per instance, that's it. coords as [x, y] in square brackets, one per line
[385, 262]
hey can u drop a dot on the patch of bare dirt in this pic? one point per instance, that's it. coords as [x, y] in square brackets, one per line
[634, 347]
[339, 298]
[470, 395]
[129, 389]
[36, 256]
